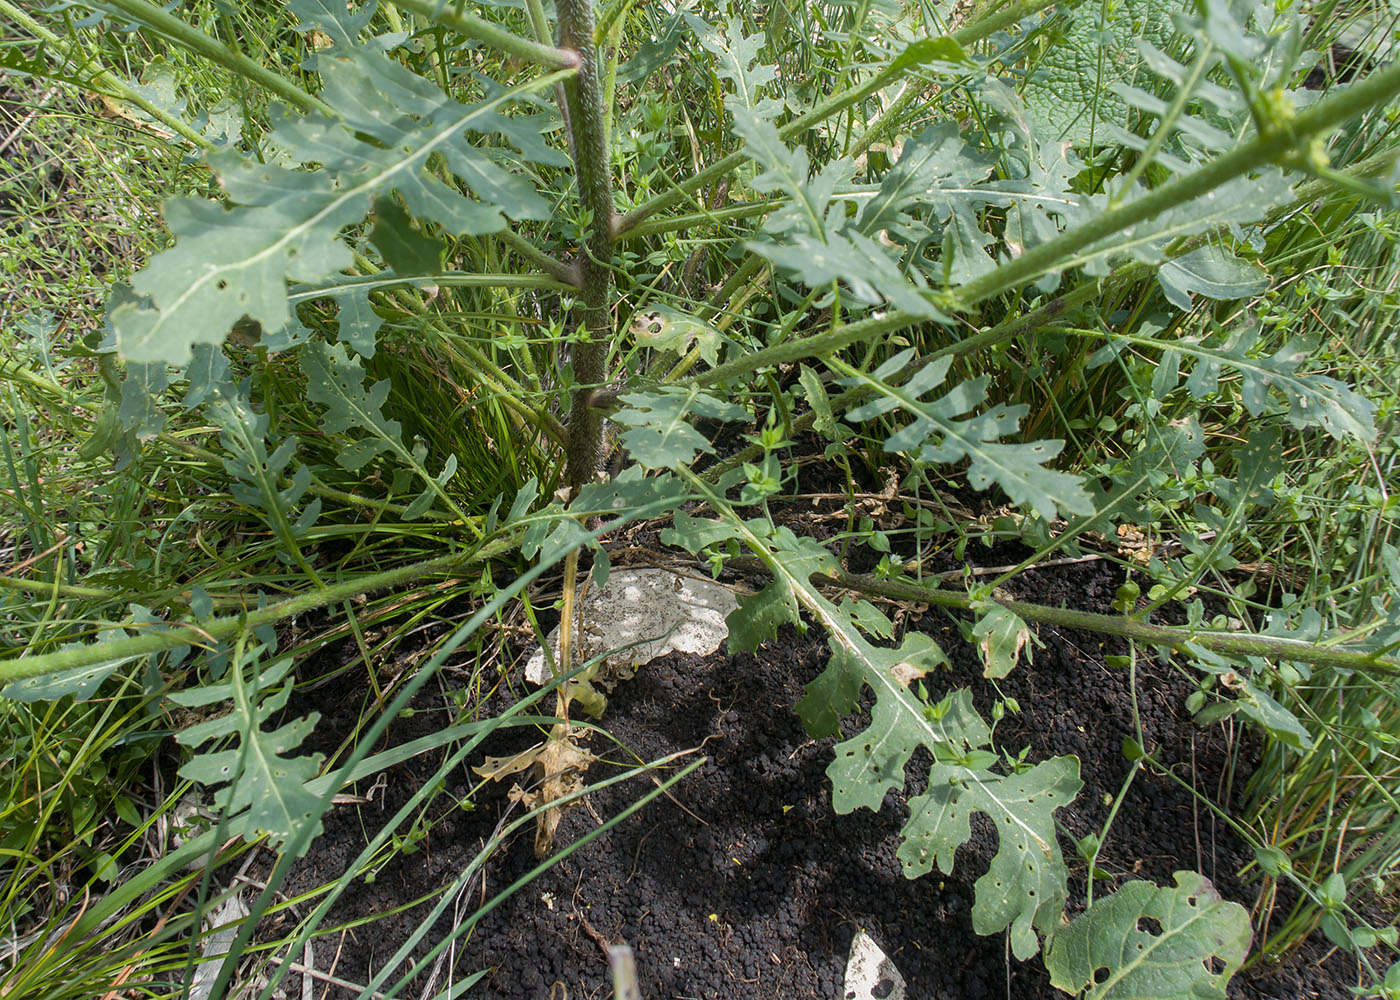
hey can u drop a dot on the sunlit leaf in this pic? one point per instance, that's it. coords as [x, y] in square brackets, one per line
[1182, 942]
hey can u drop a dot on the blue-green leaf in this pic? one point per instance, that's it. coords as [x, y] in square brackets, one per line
[1024, 889]
[259, 785]
[739, 63]
[405, 248]
[658, 435]
[337, 380]
[286, 224]
[1212, 272]
[938, 433]
[1182, 942]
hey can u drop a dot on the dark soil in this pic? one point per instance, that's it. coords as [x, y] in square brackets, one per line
[746, 884]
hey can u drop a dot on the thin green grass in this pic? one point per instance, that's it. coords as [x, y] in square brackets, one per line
[473, 372]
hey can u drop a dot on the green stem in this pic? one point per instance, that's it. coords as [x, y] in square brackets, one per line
[674, 223]
[191, 38]
[47, 587]
[1173, 637]
[447, 279]
[565, 273]
[833, 105]
[203, 634]
[471, 26]
[588, 124]
[821, 343]
[1270, 147]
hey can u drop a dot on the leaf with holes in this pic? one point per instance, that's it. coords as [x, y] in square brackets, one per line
[669, 329]
[1001, 635]
[1182, 942]
[1023, 890]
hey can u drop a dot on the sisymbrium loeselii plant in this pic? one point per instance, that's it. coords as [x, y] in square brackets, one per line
[629, 234]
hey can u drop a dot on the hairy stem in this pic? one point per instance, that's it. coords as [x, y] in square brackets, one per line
[588, 128]
[1173, 637]
[205, 634]
[1272, 146]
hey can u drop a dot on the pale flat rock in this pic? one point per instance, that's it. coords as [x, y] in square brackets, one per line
[643, 614]
[870, 975]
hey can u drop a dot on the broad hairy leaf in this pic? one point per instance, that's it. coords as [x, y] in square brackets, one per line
[1023, 890]
[1146, 942]
[285, 224]
[1088, 48]
[938, 433]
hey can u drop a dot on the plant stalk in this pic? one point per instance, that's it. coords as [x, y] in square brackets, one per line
[204, 634]
[587, 122]
[1171, 636]
[469, 25]
[189, 37]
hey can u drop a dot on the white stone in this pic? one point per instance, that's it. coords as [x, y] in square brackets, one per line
[870, 975]
[643, 614]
